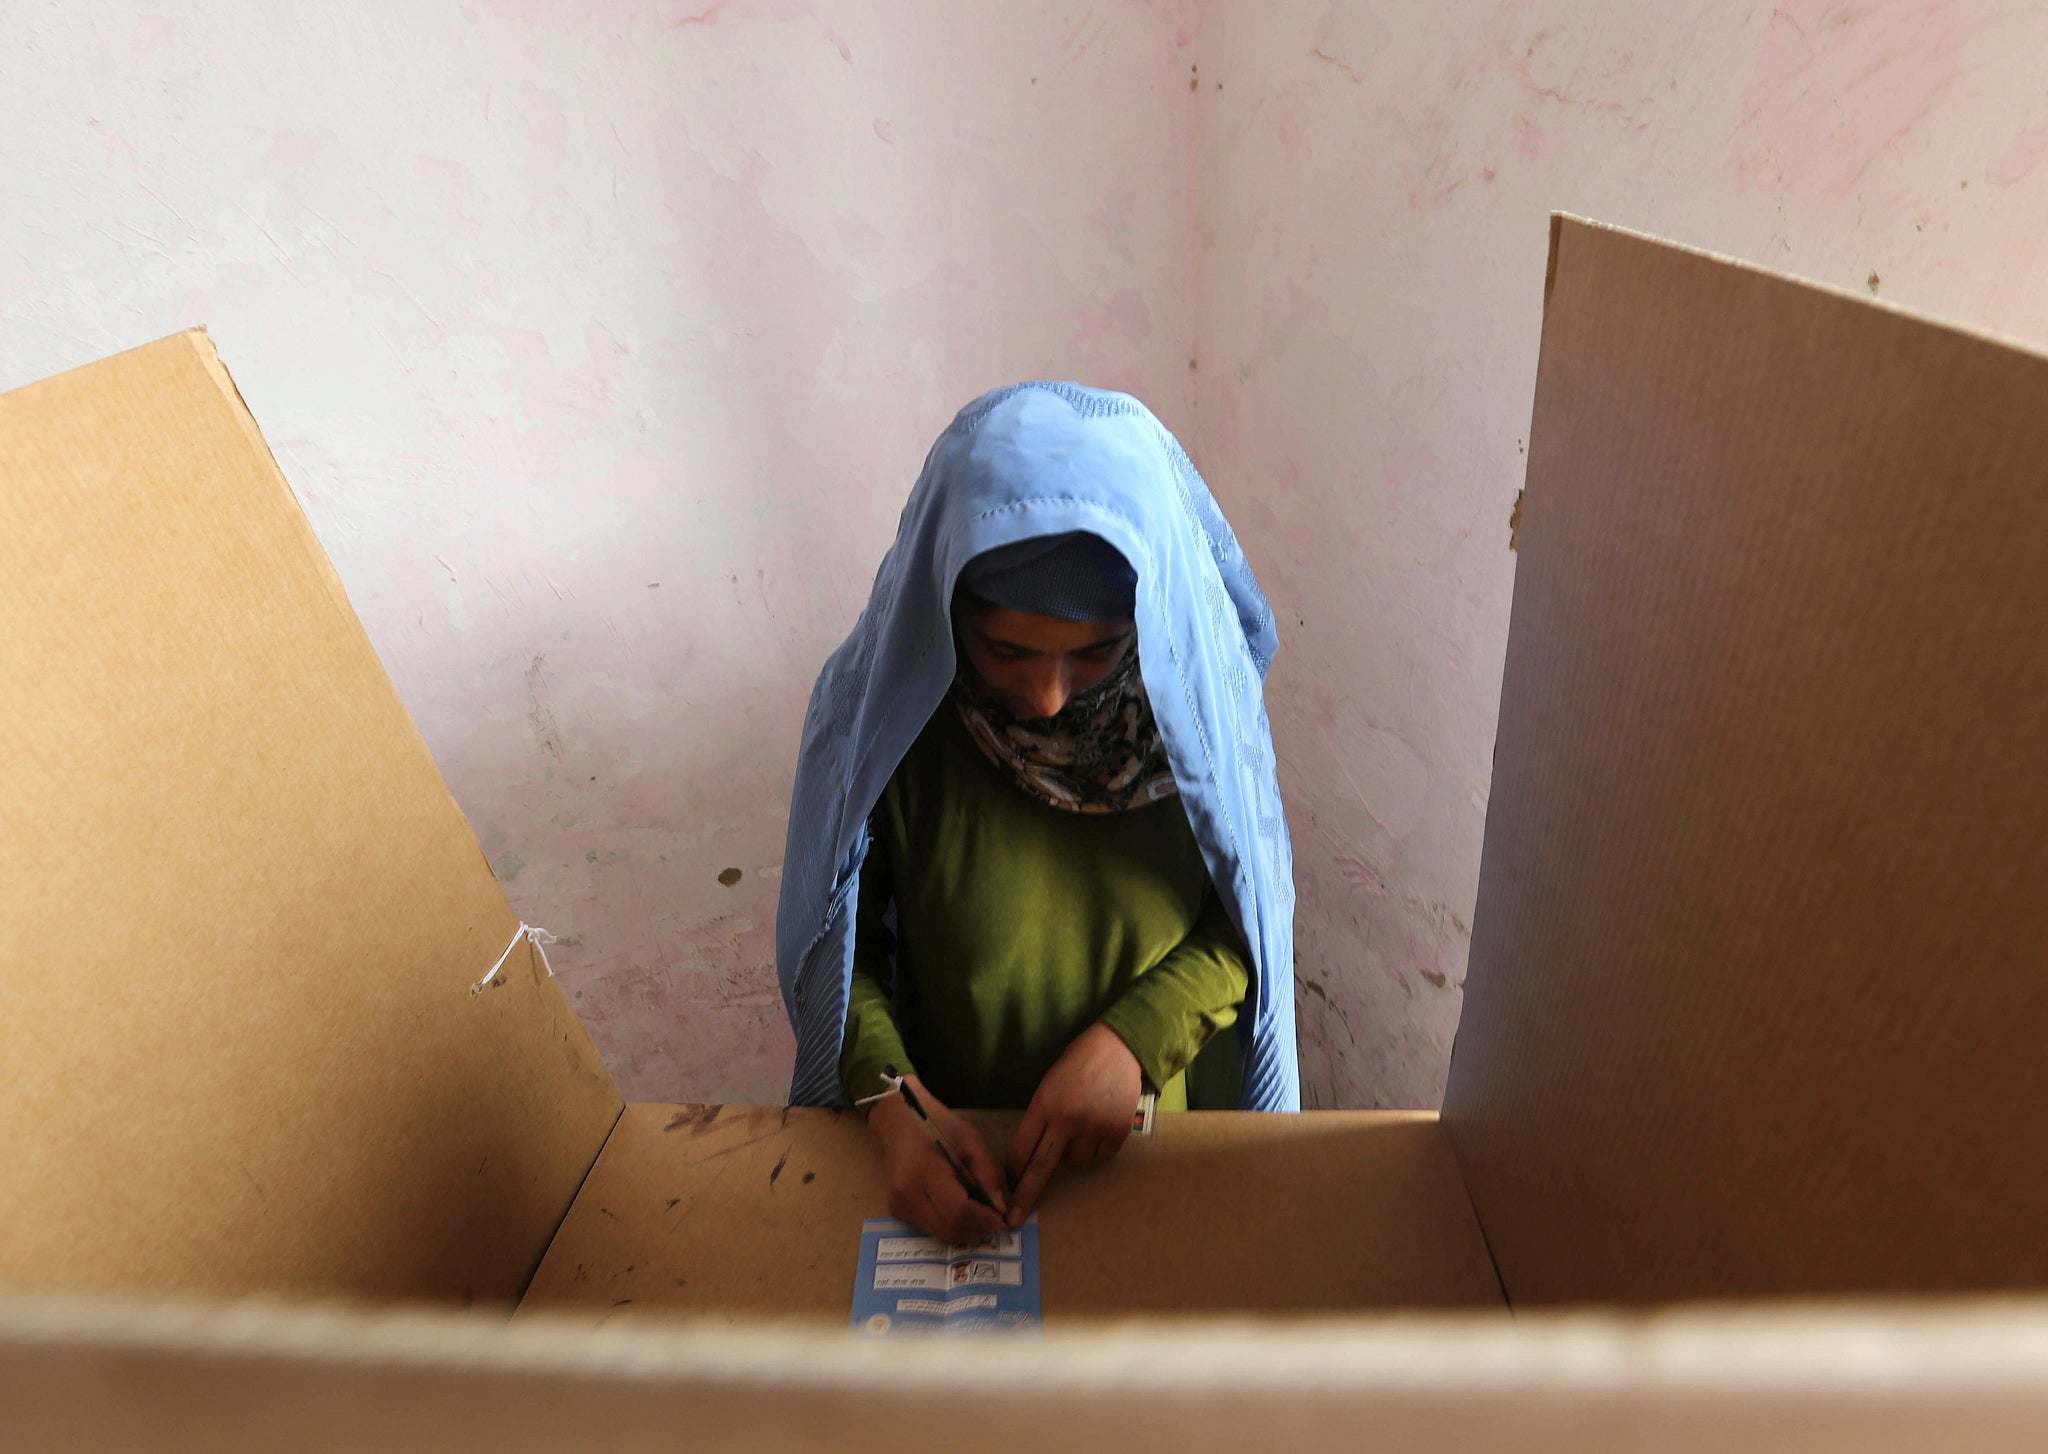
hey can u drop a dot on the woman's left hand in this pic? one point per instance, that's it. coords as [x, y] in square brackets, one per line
[1081, 1113]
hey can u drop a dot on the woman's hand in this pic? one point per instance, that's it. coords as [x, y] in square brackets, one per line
[922, 1189]
[1081, 1112]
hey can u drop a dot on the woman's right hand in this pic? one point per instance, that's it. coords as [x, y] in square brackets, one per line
[922, 1189]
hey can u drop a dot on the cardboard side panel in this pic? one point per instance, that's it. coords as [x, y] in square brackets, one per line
[735, 1212]
[239, 913]
[1756, 999]
[1851, 1382]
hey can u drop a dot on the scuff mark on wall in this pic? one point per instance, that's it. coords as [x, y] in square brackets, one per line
[547, 736]
[1837, 82]
[2028, 150]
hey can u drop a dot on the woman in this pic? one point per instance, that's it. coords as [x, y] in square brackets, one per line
[1036, 853]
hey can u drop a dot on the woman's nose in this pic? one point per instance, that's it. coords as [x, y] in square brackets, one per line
[1046, 693]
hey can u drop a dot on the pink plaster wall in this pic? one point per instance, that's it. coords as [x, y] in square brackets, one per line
[1375, 182]
[602, 342]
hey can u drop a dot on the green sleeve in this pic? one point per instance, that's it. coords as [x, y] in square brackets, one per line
[1167, 1014]
[872, 1038]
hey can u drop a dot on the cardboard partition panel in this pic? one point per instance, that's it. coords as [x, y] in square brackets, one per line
[1758, 996]
[240, 914]
[741, 1212]
[1855, 1381]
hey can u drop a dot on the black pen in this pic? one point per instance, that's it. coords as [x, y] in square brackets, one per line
[967, 1180]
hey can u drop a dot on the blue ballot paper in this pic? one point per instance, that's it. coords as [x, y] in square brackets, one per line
[909, 1282]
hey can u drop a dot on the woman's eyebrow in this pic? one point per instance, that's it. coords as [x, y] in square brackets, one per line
[989, 638]
[1003, 643]
[1113, 639]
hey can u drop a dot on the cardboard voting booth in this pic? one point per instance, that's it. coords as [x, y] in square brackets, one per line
[1757, 1010]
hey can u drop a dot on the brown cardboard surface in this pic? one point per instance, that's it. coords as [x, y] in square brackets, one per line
[1843, 1381]
[1757, 1000]
[239, 912]
[743, 1212]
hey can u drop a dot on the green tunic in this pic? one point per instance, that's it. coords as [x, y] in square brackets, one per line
[1019, 925]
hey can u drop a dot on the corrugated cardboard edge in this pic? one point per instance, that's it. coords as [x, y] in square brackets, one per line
[1485, 1242]
[583, 1182]
[1557, 222]
[1562, 222]
[245, 418]
[1838, 1378]
[202, 344]
[1966, 1342]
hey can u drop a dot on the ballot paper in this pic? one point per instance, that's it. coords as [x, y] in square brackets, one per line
[909, 1282]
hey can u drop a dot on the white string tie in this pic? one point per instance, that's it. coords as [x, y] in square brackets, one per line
[537, 937]
[895, 1085]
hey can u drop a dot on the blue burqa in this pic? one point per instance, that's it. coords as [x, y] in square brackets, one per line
[1026, 461]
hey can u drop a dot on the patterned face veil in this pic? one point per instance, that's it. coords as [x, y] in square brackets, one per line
[1102, 753]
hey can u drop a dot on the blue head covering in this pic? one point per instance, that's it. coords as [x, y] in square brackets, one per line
[1041, 463]
[1077, 577]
